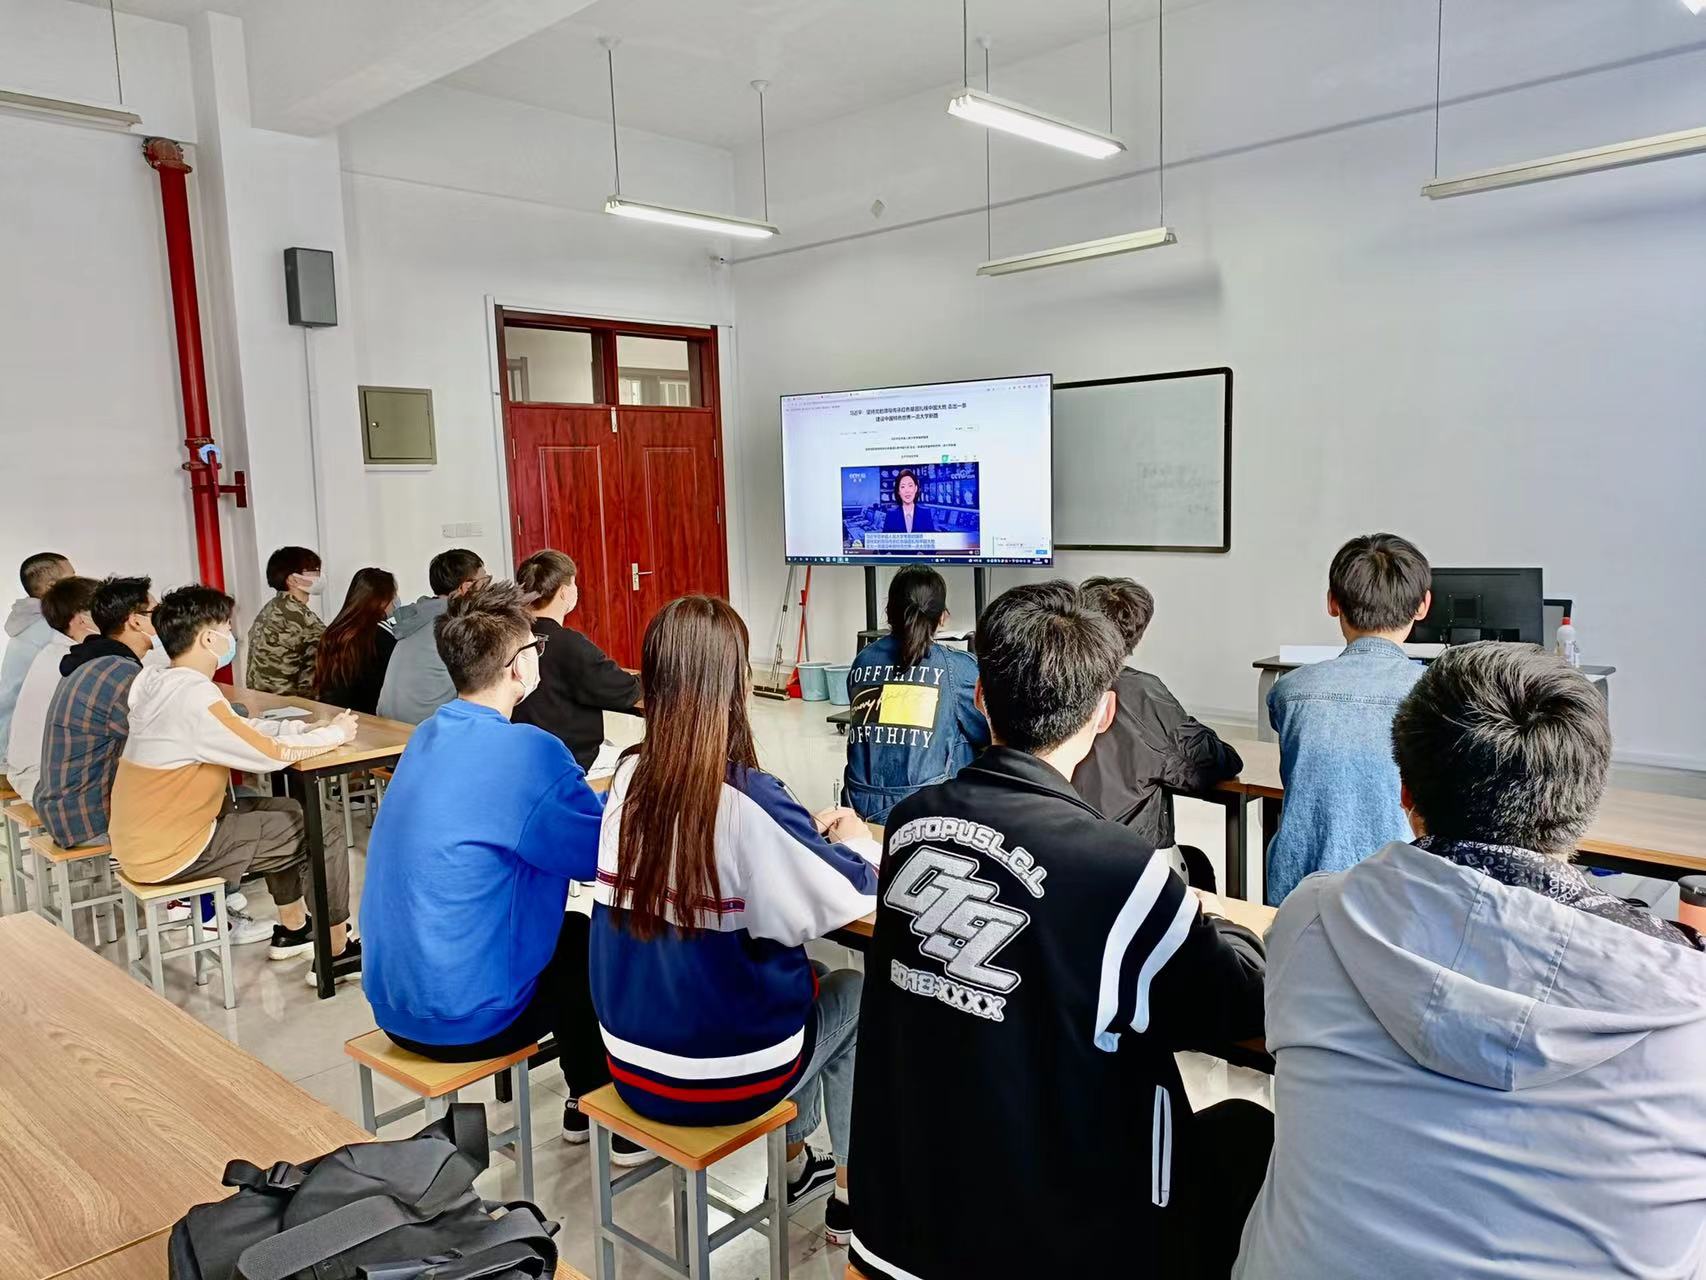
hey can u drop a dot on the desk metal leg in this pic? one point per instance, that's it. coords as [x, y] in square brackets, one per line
[306, 788]
[1265, 682]
[1232, 879]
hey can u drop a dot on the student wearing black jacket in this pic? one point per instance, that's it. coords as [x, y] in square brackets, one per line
[1034, 969]
[1154, 747]
[578, 681]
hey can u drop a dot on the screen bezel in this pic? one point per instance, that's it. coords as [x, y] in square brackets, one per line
[972, 562]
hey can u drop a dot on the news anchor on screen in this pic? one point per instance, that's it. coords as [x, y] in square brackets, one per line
[907, 516]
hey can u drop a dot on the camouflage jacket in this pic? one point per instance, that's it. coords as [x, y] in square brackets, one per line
[282, 647]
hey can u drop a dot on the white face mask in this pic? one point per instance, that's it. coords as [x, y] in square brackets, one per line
[527, 670]
[313, 584]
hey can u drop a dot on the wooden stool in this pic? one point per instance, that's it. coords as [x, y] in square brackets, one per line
[16, 853]
[689, 1151]
[436, 1084]
[53, 879]
[150, 896]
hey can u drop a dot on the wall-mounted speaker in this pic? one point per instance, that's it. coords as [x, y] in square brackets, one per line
[311, 288]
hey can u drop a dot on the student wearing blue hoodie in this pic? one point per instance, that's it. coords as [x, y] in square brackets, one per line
[469, 953]
[1488, 1066]
[711, 878]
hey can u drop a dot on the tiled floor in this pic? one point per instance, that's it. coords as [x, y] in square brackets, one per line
[279, 1021]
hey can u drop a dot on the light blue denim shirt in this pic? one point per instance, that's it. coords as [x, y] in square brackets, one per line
[1334, 721]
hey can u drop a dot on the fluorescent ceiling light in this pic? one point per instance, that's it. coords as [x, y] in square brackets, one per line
[1695, 6]
[78, 112]
[1618, 155]
[721, 223]
[1010, 117]
[1107, 247]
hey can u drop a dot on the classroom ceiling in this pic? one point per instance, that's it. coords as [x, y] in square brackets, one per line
[684, 67]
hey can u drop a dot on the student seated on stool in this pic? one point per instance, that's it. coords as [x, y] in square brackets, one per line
[470, 954]
[1154, 747]
[1487, 1065]
[66, 609]
[171, 818]
[89, 717]
[1334, 718]
[26, 631]
[1018, 1109]
[711, 878]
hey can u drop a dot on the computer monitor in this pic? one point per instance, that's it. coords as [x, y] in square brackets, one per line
[1484, 604]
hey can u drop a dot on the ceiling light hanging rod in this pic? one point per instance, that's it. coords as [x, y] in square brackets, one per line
[118, 72]
[1161, 112]
[609, 43]
[1439, 66]
[988, 183]
[1110, 66]
[763, 149]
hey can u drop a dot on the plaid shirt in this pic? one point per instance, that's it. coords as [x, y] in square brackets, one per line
[87, 724]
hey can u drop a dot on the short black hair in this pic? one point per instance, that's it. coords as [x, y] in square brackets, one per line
[1379, 581]
[1125, 603]
[1505, 744]
[450, 569]
[41, 571]
[478, 635]
[288, 560]
[65, 599]
[116, 599]
[1045, 658]
[544, 573]
[181, 615]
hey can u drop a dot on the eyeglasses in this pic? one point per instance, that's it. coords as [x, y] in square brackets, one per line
[537, 645]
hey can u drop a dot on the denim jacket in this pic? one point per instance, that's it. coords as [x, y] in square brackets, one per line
[1334, 721]
[911, 728]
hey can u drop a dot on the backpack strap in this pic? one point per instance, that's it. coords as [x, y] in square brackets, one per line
[308, 1244]
[282, 1179]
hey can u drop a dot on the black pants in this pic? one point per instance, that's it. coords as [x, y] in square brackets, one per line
[561, 1005]
[1228, 1159]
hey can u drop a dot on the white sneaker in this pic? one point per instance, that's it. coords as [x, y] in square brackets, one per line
[247, 929]
[235, 902]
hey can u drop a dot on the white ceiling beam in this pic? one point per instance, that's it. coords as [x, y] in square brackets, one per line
[310, 72]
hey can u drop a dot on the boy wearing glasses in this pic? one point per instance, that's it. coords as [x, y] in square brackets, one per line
[469, 952]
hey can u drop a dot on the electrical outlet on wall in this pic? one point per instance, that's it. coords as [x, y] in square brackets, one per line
[466, 529]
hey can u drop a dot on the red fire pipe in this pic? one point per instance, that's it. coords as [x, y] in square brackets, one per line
[167, 159]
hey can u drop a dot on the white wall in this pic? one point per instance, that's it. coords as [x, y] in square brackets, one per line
[88, 368]
[456, 200]
[1510, 379]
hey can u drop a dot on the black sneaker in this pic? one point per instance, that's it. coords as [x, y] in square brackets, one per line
[577, 1131]
[838, 1222]
[350, 956]
[287, 944]
[816, 1180]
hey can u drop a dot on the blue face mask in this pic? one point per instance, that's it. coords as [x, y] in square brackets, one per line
[229, 654]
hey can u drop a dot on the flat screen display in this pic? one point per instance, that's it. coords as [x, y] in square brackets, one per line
[945, 473]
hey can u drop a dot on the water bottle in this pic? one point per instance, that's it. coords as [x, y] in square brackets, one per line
[1567, 649]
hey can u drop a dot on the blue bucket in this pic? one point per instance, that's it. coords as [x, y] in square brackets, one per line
[814, 681]
[837, 677]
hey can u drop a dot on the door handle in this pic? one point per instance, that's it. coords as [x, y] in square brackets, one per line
[638, 573]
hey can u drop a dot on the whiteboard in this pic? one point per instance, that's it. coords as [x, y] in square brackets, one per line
[1144, 464]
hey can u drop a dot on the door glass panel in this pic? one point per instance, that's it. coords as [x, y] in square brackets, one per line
[658, 371]
[549, 366]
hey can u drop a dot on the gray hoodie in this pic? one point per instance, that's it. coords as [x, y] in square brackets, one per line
[1475, 1081]
[26, 632]
[416, 682]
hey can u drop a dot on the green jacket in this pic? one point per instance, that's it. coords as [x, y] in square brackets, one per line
[282, 646]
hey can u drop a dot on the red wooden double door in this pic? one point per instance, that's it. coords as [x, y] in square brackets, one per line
[632, 492]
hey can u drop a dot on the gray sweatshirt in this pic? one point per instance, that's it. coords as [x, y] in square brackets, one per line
[416, 681]
[1477, 1081]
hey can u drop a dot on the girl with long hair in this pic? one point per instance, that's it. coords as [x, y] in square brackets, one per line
[915, 716]
[711, 878]
[350, 668]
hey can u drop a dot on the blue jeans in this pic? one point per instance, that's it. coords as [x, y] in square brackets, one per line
[827, 1082]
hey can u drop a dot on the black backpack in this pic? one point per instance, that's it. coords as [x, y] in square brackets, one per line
[373, 1210]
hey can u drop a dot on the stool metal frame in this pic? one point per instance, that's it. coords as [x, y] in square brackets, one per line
[516, 1141]
[693, 1199]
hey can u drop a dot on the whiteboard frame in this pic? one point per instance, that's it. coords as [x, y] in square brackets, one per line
[1226, 472]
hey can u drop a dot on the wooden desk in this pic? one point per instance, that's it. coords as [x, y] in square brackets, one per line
[1644, 832]
[144, 1260]
[377, 741]
[121, 1110]
[1270, 669]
